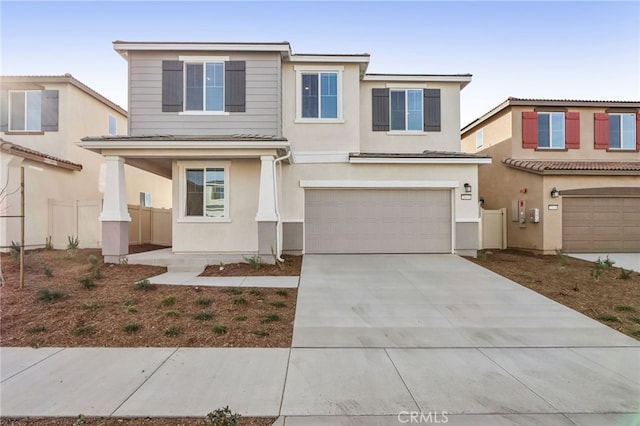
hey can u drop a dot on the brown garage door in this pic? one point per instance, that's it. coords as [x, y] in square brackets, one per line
[377, 221]
[601, 224]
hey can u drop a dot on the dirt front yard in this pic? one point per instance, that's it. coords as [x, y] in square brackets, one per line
[600, 291]
[68, 301]
[101, 421]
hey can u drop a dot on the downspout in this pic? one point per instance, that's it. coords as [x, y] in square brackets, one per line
[278, 218]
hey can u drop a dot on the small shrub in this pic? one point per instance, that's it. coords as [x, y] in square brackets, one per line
[83, 330]
[254, 261]
[45, 295]
[14, 251]
[261, 333]
[131, 328]
[282, 292]
[143, 284]
[221, 417]
[240, 318]
[168, 301]
[131, 309]
[636, 333]
[48, 245]
[625, 308]
[48, 272]
[278, 304]
[240, 301]
[36, 329]
[624, 274]
[80, 421]
[86, 282]
[561, 257]
[203, 302]
[93, 260]
[91, 306]
[270, 318]
[233, 290]
[635, 319]
[72, 243]
[220, 329]
[124, 261]
[172, 314]
[609, 318]
[203, 316]
[255, 292]
[130, 302]
[597, 273]
[173, 331]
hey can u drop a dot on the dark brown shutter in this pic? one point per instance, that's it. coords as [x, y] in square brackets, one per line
[638, 132]
[235, 83]
[172, 86]
[4, 110]
[431, 110]
[572, 130]
[529, 129]
[601, 130]
[49, 111]
[380, 109]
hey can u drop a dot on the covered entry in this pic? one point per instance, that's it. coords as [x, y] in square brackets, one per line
[601, 224]
[378, 220]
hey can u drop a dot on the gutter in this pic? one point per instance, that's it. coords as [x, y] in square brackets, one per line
[279, 239]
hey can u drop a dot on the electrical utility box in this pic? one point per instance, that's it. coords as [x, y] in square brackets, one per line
[534, 215]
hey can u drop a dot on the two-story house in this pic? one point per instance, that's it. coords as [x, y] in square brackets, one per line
[40, 119]
[271, 151]
[567, 171]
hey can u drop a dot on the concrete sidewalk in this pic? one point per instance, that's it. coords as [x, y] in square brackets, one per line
[629, 261]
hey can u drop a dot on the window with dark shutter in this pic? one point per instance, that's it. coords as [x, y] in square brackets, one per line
[49, 112]
[235, 86]
[572, 129]
[432, 110]
[529, 129]
[601, 130]
[380, 109]
[172, 86]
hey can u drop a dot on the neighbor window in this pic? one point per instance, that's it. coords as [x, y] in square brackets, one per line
[320, 95]
[205, 192]
[622, 131]
[25, 110]
[551, 129]
[204, 86]
[406, 110]
[479, 139]
[112, 125]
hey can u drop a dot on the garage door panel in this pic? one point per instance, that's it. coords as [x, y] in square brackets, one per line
[601, 224]
[377, 221]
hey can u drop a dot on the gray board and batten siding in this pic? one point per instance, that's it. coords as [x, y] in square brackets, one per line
[262, 97]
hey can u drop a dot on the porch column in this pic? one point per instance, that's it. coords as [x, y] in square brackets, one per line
[266, 216]
[115, 217]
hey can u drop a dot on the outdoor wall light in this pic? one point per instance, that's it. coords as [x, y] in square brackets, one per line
[467, 187]
[555, 193]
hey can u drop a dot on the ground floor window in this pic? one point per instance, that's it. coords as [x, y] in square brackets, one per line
[205, 191]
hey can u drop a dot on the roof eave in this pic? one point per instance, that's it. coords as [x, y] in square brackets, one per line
[124, 47]
[462, 79]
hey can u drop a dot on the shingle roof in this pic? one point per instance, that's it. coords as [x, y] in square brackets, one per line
[41, 157]
[575, 167]
[213, 138]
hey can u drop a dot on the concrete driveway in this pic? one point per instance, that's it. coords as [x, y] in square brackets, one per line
[379, 335]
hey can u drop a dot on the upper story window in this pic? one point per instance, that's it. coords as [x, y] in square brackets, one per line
[318, 93]
[196, 85]
[112, 125]
[409, 110]
[204, 191]
[550, 130]
[204, 83]
[622, 131]
[406, 110]
[479, 139]
[29, 111]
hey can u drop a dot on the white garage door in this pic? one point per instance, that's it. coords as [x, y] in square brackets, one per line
[377, 221]
[604, 224]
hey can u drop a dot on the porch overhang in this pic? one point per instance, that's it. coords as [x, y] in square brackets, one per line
[155, 154]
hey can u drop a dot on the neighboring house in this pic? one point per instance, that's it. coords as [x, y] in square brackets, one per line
[576, 162]
[271, 151]
[40, 119]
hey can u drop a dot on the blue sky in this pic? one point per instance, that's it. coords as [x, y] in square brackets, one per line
[572, 49]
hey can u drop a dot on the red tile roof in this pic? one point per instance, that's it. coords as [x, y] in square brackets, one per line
[575, 167]
[34, 155]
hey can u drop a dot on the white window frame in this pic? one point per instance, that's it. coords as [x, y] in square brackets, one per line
[182, 170]
[203, 60]
[479, 139]
[26, 106]
[406, 90]
[622, 147]
[311, 69]
[564, 131]
[115, 125]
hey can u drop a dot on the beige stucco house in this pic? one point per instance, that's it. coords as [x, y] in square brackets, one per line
[273, 152]
[40, 119]
[568, 172]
